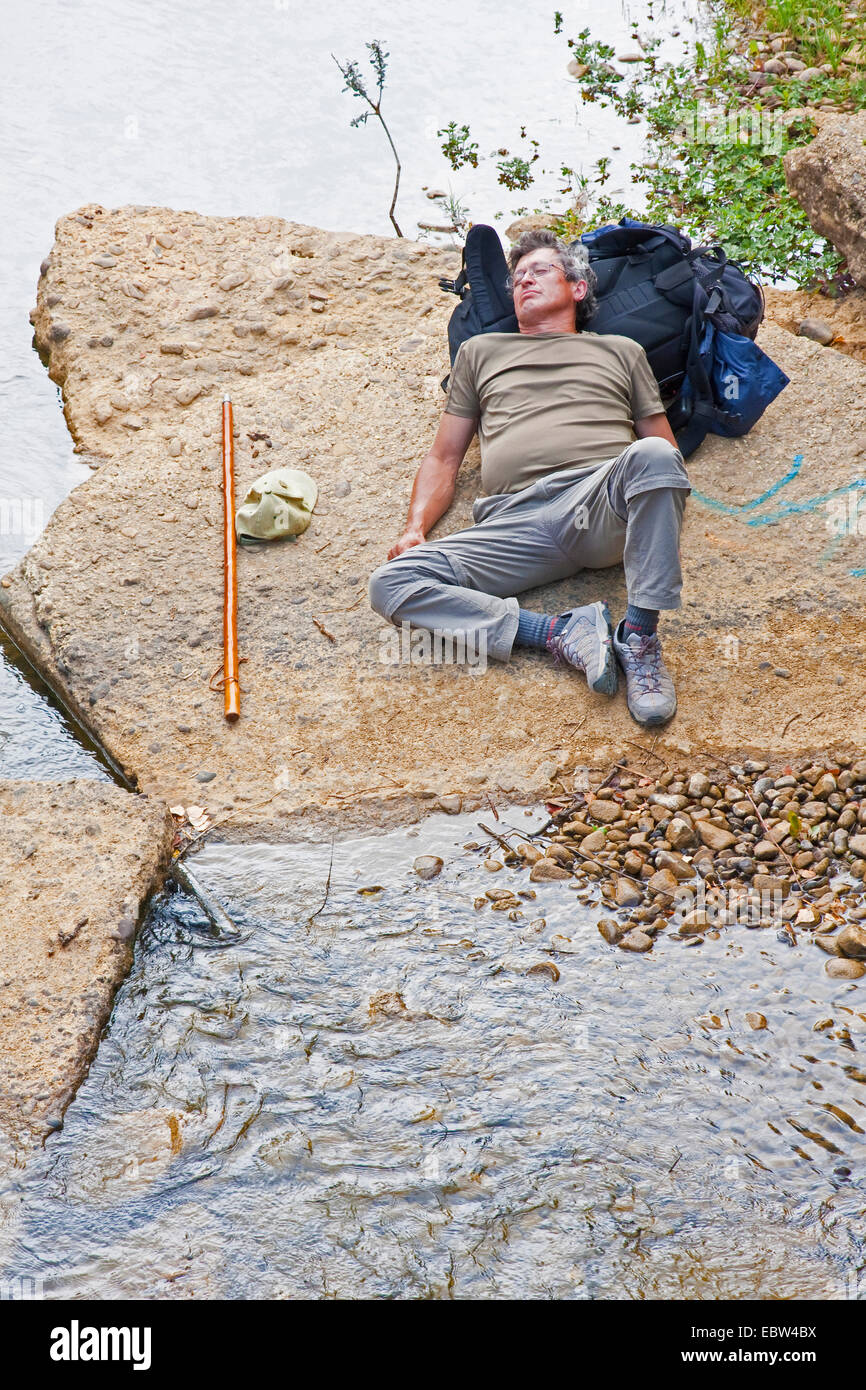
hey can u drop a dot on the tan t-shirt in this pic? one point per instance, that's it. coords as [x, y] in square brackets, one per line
[548, 401]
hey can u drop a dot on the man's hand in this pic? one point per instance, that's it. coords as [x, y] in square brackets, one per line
[411, 536]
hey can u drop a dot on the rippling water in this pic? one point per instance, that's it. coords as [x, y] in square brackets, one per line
[376, 1099]
[37, 737]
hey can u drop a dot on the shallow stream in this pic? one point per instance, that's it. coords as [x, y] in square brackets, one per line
[364, 1093]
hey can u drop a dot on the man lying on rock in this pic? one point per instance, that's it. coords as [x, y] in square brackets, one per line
[581, 471]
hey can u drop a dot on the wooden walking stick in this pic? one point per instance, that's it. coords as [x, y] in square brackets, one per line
[231, 686]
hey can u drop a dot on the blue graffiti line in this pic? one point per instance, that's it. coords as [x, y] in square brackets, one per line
[785, 509]
[719, 506]
[810, 505]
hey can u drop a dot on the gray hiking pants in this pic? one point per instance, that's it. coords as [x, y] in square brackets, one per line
[629, 509]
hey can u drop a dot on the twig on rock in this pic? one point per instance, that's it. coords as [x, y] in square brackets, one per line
[789, 861]
[493, 835]
[651, 751]
[324, 631]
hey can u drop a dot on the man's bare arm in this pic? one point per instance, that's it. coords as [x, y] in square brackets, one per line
[435, 481]
[655, 425]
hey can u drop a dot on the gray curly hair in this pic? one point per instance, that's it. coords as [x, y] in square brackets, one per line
[573, 260]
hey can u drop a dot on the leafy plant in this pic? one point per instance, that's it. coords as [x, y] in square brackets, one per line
[457, 212]
[454, 210]
[603, 167]
[571, 224]
[515, 172]
[729, 188]
[720, 180]
[457, 146]
[821, 29]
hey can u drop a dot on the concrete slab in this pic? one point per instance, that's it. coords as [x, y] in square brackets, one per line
[77, 859]
[332, 346]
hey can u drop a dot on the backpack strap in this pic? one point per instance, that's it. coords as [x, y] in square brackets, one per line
[693, 433]
[706, 275]
[673, 276]
[628, 236]
[705, 411]
[455, 286]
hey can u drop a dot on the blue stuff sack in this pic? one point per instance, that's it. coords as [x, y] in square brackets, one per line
[743, 381]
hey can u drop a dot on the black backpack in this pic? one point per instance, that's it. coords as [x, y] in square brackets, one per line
[694, 312]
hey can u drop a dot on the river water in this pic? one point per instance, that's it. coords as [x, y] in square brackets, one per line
[362, 1092]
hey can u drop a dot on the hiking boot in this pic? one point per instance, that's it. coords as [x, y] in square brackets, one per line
[585, 642]
[649, 689]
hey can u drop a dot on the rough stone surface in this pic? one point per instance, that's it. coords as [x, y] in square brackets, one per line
[715, 837]
[755, 1020]
[852, 941]
[845, 969]
[611, 930]
[332, 348]
[627, 894]
[818, 330]
[636, 940]
[828, 179]
[427, 865]
[663, 881]
[604, 812]
[77, 860]
[546, 869]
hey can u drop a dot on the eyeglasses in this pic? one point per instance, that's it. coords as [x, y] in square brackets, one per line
[536, 271]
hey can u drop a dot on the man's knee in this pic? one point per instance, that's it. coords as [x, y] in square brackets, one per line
[652, 463]
[392, 584]
[656, 455]
[384, 588]
[421, 572]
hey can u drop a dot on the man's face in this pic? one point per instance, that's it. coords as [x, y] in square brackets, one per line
[539, 296]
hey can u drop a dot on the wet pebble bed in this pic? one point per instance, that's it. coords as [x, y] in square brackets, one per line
[698, 851]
